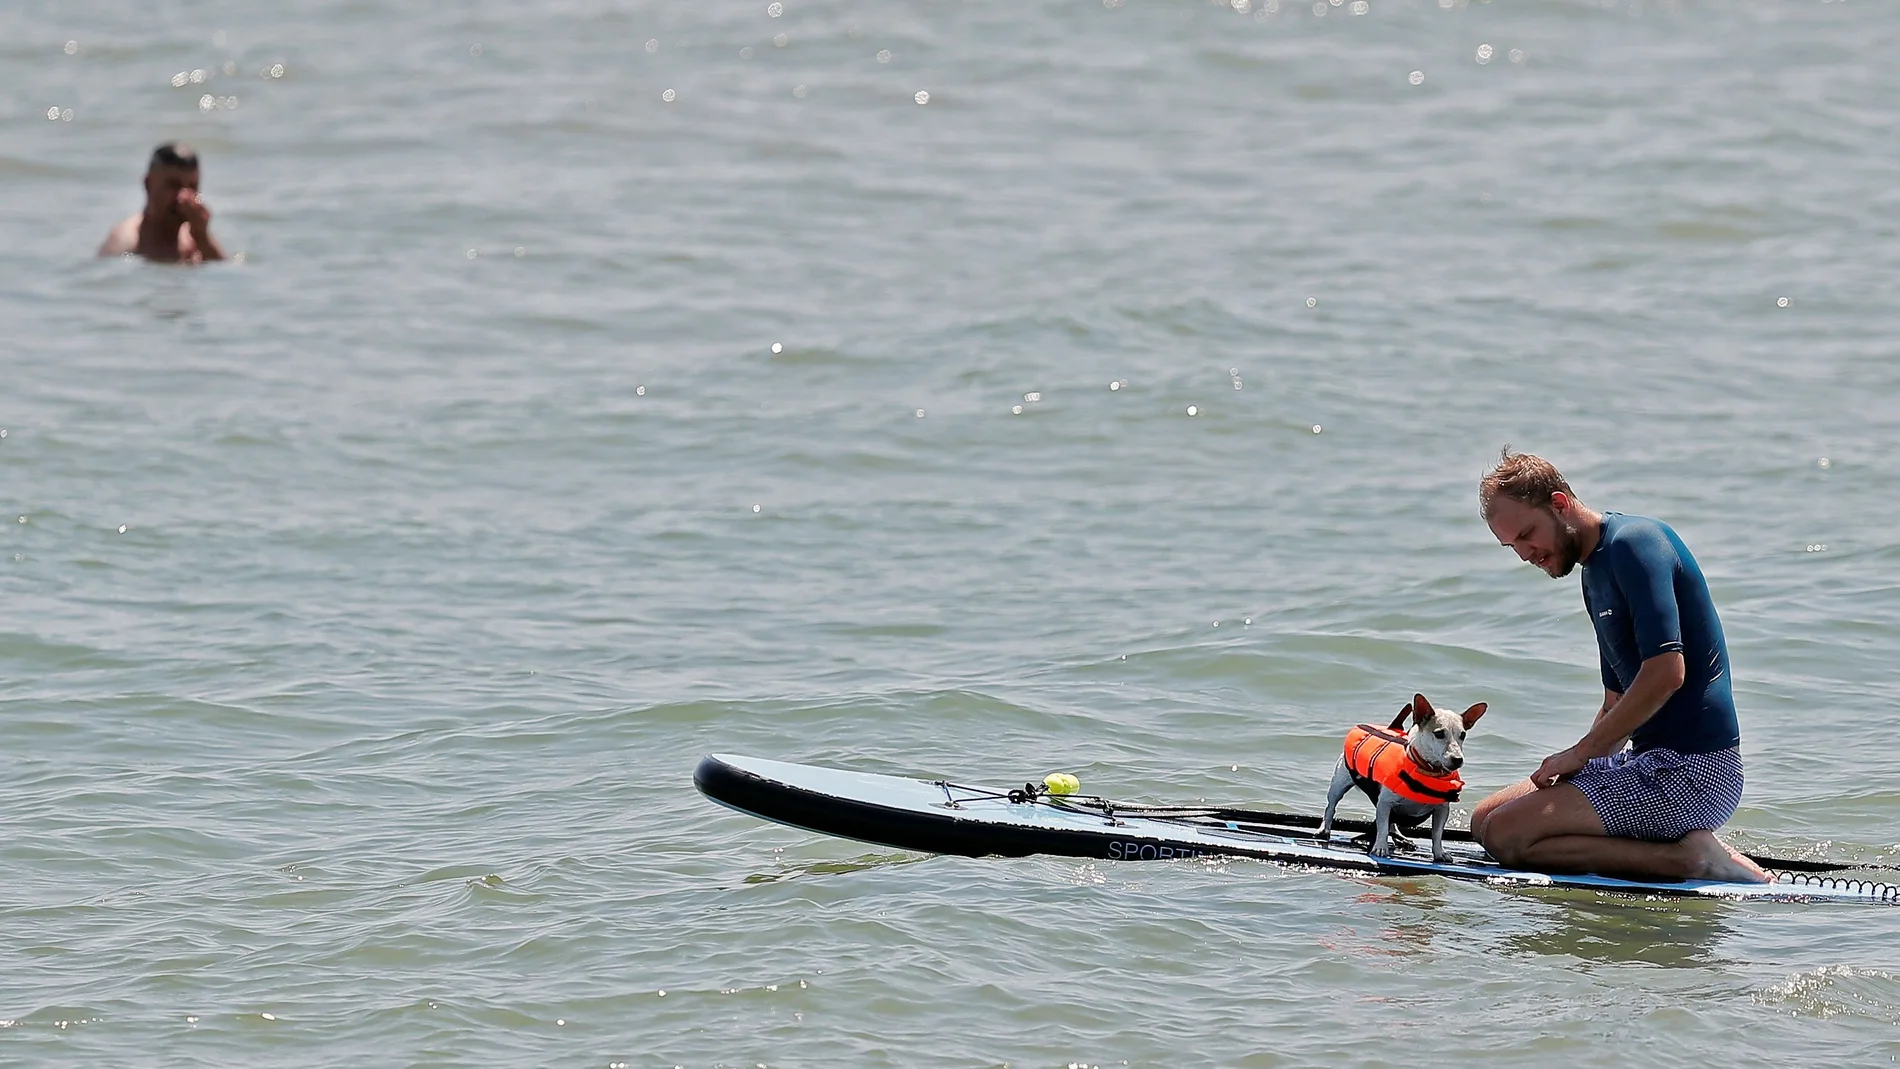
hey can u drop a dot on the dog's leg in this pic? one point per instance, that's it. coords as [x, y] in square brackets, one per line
[1342, 782]
[1382, 825]
[1440, 814]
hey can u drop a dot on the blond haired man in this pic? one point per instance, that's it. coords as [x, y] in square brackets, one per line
[1649, 811]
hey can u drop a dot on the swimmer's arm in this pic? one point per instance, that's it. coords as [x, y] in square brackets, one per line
[123, 239]
[198, 220]
[208, 248]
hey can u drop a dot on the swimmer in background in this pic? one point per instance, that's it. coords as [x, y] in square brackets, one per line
[175, 227]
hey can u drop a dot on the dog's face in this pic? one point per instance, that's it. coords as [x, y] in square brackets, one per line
[1439, 738]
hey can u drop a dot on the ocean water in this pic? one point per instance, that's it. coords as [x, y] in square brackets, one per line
[970, 390]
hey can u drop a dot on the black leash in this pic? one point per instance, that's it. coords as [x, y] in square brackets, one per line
[1301, 821]
[1303, 825]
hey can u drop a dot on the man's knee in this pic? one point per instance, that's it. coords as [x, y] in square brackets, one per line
[1482, 812]
[1481, 815]
[1480, 819]
[1501, 848]
[1504, 838]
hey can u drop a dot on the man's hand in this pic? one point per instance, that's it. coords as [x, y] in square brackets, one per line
[1559, 766]
[195, 212]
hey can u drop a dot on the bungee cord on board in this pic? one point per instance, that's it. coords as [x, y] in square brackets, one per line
[1301, 825]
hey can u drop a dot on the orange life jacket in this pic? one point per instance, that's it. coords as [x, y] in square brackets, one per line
[1378, 756]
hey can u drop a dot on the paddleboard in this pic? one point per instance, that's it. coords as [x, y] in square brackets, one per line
[937, 816]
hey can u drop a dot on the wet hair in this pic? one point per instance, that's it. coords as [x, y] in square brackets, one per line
[174, 154]
[1523, 477]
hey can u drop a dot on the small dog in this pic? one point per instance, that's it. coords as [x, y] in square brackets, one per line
[1410, 776]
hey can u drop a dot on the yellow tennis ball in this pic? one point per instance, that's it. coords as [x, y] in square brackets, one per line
[1062, 783]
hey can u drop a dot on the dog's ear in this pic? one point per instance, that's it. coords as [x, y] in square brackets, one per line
[1421, 709]
[1398, 722]
[1472, 714]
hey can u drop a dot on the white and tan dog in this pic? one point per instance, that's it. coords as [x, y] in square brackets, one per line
[1412, 776]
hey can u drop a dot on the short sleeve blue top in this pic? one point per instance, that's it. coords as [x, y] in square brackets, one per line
[1646, 596]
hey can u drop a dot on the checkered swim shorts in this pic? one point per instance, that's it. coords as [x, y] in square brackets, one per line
[1663, 795]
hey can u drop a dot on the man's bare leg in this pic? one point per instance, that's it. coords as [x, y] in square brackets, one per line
[1481, 813]
[1557, 830]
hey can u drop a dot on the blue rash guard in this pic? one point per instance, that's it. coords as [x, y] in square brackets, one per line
[1647, 596]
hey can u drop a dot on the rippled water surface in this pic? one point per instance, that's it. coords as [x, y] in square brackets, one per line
[607, 383]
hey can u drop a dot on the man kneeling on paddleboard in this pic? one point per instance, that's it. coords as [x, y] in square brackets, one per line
[1648, 812]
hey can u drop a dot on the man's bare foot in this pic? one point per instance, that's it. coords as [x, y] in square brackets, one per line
[1716, 860]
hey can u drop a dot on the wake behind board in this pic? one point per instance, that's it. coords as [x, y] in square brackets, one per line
[946, 818]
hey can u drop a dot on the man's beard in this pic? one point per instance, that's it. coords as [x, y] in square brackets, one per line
[1569, 548]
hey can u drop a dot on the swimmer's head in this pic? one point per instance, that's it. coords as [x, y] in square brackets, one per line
[174, 154]
[174, 168]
